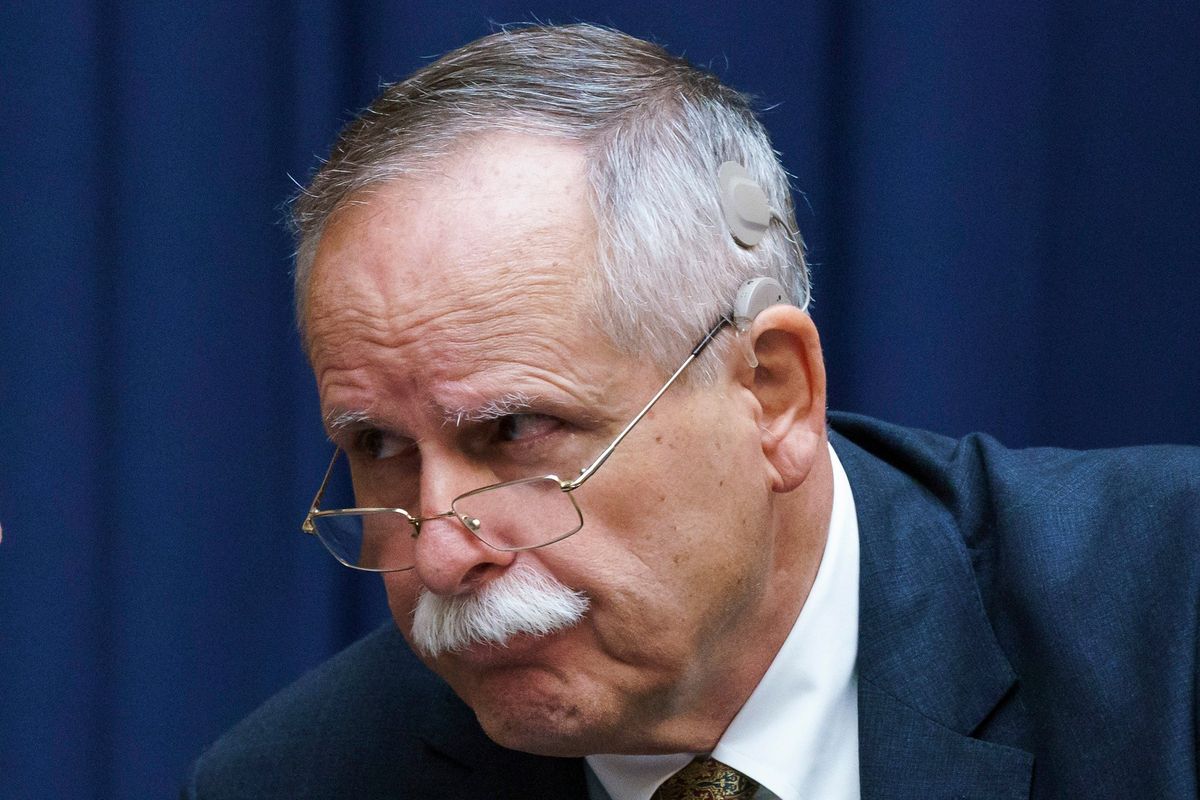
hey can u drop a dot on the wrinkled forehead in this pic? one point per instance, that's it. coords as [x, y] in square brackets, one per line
[491, 249]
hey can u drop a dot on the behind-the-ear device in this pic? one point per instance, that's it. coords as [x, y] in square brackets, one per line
[753, 297]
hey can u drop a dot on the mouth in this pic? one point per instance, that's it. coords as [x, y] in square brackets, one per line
[522, 649]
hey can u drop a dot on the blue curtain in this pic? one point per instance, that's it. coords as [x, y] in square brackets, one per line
[1001, 201]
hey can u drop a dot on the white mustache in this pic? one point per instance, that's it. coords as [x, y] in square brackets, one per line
[523, 600]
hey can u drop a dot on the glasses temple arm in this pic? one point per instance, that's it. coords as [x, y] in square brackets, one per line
[307, 525]
[588, 471]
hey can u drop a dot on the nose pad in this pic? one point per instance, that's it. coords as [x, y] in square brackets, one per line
[450, 559]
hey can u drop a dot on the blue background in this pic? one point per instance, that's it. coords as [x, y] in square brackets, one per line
[1001, 203]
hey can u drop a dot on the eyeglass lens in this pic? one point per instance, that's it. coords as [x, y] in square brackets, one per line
[515, 516]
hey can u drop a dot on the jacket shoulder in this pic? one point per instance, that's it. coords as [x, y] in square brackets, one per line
[372, 722]
[989, 488]
[1045, 524]
[1086, 568]
[345, 729]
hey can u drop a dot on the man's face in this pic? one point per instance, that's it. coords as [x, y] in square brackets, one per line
[448, 310]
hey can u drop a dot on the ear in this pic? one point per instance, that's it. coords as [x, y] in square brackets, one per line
[789, 386]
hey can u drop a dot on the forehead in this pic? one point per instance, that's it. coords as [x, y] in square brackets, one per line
[476, 264]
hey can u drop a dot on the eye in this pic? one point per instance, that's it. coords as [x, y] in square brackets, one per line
[378, 445]
[525, 427]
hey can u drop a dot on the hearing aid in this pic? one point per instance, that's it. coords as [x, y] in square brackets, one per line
[753, 297]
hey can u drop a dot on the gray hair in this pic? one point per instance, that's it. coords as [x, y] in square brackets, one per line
[654, 130]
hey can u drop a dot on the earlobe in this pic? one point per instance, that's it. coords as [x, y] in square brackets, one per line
[789, 385]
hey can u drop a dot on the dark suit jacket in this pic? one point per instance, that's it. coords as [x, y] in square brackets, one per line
[1028, 628]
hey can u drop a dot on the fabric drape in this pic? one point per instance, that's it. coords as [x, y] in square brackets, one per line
[1000, 201]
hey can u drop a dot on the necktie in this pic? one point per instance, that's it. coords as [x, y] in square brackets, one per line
[706, 779]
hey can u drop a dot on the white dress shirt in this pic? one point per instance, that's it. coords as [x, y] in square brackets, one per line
[797, 734]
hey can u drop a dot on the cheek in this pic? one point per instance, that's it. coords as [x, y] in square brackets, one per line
[661, 555]
[695, 504]
[688, 525]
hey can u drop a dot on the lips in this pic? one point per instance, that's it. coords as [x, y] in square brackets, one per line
[523, 649]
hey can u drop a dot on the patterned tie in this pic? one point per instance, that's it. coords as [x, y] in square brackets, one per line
[706, 779]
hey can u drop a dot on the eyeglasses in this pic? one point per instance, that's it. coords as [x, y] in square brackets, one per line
[511, 516]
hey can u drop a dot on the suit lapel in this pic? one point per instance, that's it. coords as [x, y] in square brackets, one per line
[905, 755]
[931, 674]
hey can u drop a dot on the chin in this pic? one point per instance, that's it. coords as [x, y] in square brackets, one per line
[536, 711]
[545, 730]
[550, 696]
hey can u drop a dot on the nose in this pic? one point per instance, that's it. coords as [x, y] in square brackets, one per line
[449, 559]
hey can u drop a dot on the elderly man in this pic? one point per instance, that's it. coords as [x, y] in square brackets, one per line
[554, 300]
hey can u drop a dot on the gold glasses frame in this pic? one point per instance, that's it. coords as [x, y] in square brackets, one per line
[472, 524]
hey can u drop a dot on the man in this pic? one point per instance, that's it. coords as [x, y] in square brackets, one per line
[627, 552]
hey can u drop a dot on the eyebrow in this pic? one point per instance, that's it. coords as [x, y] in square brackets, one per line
[341, 420]
[510, 403]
